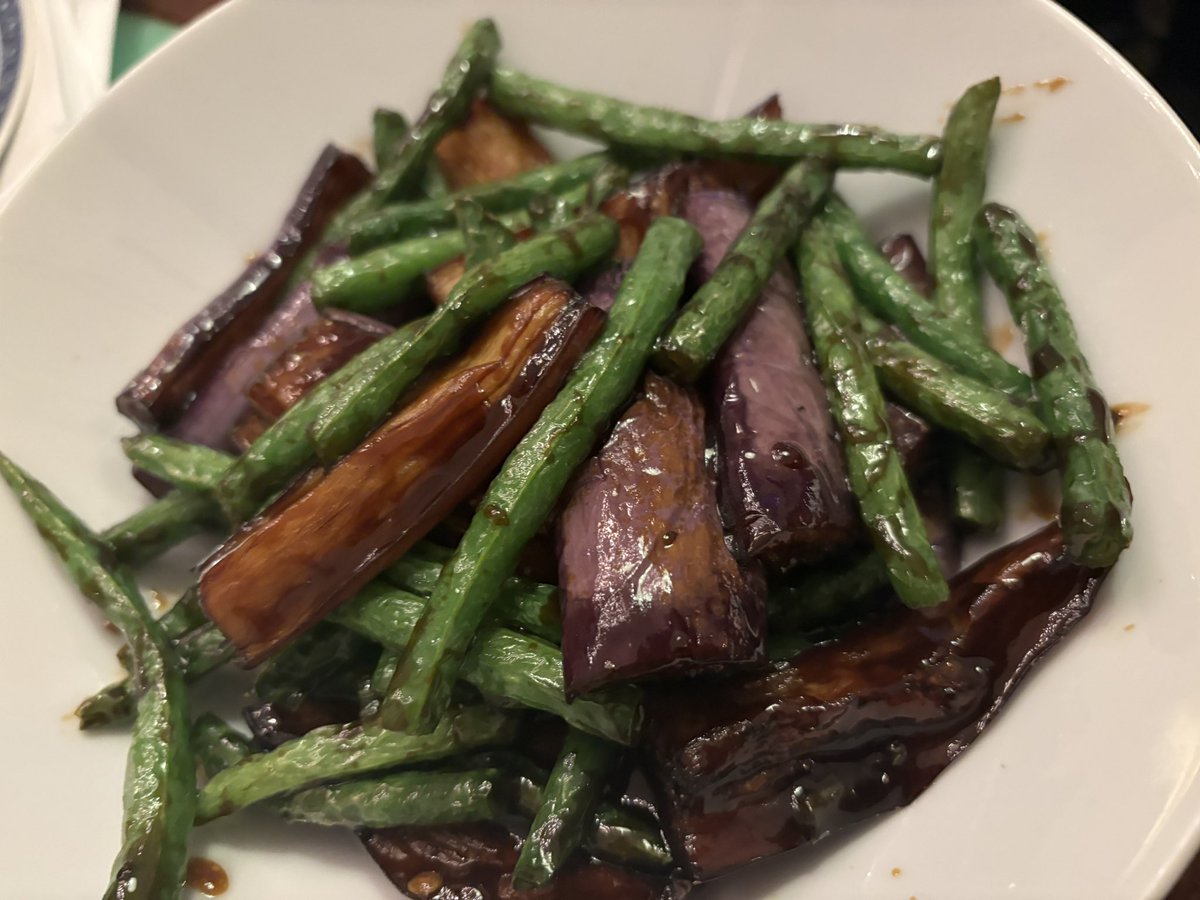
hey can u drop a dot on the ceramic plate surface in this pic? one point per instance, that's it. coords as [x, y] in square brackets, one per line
[1086, 787]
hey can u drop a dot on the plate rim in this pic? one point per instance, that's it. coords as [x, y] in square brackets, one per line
[1178, 862]
[16, 67]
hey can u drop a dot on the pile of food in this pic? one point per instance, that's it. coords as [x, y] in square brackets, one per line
[592, 527]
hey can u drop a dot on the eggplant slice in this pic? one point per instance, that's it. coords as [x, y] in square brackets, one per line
[861, 725]
[782, 469]
[649, 586]
[157, 396]
[329, 536]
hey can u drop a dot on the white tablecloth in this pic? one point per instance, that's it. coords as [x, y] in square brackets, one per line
[70, 43]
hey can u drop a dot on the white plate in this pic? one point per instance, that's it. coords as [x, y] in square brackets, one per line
[15, 68]
[1087, 785]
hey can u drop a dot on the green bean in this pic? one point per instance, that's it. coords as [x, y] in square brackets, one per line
[357, 408]
[1003, 428]
[978, 488]
[785, 647]
[112, 705]
[467, 72]
[339, 752]
[957, 195]
[522, 603]
[328, 659]
[618, 833]
[165, 523]
[1096, 502]
[180, 464]
[509, 668]
[571, 793]
[483, 236]
[111, 591]
[405, 220]
[384, 276]
[405, 798]
[534, 475]
[812, 597]
[384, 614]
[388, 129]
[217, 746]
[160, 778]
[651, 128]
[284, 450]
[877, 476]
[887, 294]
[160, 774]
[710, 318]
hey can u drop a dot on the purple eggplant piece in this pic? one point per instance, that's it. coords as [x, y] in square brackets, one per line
[475, 862]
[222, 401]
[649, 586]
[157, 397]
[782, 470]
[914, 438]
[862, 724]
[602, 290]
[906, 258]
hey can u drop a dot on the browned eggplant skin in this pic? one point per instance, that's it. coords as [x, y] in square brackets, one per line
[158, 395]
[488, 146]
[323, 349]
[782, 470]
[317, 546]
[861, 725]
[457, 862]
[649, 586]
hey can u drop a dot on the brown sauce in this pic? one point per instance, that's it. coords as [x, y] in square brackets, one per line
[1002, 337]
[1127, 415]
[1043, 499]
[1053, 85]
[206, 876]
[1012, 119]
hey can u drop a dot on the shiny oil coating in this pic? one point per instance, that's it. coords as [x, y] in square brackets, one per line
[649, 586]
[159, 393]
[782, 472]
[475, 862]
[298, 562]
[863, 724]
[324, 348]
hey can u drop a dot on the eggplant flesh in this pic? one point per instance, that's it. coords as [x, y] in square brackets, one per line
[323, 541]
[158, 396]
[782, 470]
[863, 724]
[475, 862]
[326, 346]
[649, 585]
[488, 146]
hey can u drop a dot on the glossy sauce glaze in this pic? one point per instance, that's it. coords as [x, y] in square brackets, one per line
[317, 546]
[206, 876]
[649, 586]
[475, 862]
[861, 725]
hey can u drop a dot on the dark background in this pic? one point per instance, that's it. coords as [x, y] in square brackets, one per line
[1160, 37]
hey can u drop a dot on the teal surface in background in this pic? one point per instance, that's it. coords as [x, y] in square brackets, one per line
[137, 37]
